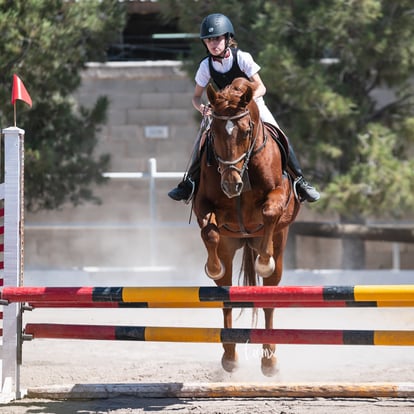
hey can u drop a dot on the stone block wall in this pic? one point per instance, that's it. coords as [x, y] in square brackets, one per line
[143, 94]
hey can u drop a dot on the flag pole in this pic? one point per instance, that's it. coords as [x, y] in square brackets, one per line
[15, 123]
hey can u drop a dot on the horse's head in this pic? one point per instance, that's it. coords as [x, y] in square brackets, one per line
[234, 128]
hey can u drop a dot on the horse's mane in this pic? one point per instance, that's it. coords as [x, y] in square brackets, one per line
[236, 96]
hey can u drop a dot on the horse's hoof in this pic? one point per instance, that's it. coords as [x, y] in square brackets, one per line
[217, 276]
[229, 365]
[269, 366]
[265, 271]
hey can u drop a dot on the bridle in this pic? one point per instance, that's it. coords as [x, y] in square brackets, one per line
[245, 157]
[231, 164]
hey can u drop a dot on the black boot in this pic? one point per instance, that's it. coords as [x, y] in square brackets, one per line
[184, 190]
[303, 189]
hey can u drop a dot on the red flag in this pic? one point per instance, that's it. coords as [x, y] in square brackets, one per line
[20, 92]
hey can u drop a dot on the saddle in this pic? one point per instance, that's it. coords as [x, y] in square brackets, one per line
[281, 140]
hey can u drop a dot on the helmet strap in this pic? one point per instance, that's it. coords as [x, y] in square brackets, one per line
[225, 54]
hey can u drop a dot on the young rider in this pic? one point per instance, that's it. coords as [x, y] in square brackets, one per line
[223, 64]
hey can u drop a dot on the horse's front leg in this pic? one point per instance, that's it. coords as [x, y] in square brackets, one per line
[218, 267]
[214, 267]
[269, 360]
[272, 211]
[229, 360]
[226, 250]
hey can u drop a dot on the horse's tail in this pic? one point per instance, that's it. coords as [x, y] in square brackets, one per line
[247, 268]
[249, 273]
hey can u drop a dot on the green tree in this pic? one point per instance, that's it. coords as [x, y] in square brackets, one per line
[47, 43]
[324, 63]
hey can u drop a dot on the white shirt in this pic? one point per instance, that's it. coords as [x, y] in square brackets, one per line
[244, 59]
[247, 65]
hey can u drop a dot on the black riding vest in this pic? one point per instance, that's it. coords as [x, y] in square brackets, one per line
[223, 79]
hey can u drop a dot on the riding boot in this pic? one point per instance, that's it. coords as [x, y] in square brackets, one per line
[186, 188]
[303, 189]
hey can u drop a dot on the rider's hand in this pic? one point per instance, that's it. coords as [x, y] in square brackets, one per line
[205, 110]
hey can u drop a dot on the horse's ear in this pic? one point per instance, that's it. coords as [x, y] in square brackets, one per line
[211, 93]
[248, 95]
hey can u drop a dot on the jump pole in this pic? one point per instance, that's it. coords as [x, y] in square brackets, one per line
[356, 293]
[222, 305]
[225, 390]
[12, 193]
[218, 335]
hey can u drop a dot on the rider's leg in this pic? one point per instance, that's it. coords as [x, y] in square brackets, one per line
[185, 189]
[306, 191]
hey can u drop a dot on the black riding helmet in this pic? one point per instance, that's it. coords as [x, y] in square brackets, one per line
[216, 25]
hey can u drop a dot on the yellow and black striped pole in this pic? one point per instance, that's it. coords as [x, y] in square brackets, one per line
[255, 294]
[220, 335]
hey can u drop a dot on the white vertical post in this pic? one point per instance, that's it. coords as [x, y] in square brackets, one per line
[13, 251]
[152, 167]
[396, 258]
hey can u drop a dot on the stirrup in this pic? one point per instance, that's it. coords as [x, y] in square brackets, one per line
[295, 191]
[190, 197]
[304, 195]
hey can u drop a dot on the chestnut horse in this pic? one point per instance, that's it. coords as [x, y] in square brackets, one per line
[244, 199]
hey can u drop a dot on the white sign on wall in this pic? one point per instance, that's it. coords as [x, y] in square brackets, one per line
[156, 131]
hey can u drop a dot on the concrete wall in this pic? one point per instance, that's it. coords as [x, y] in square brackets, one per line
[119, 232]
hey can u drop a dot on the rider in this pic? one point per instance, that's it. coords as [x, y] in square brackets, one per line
[223, 64]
